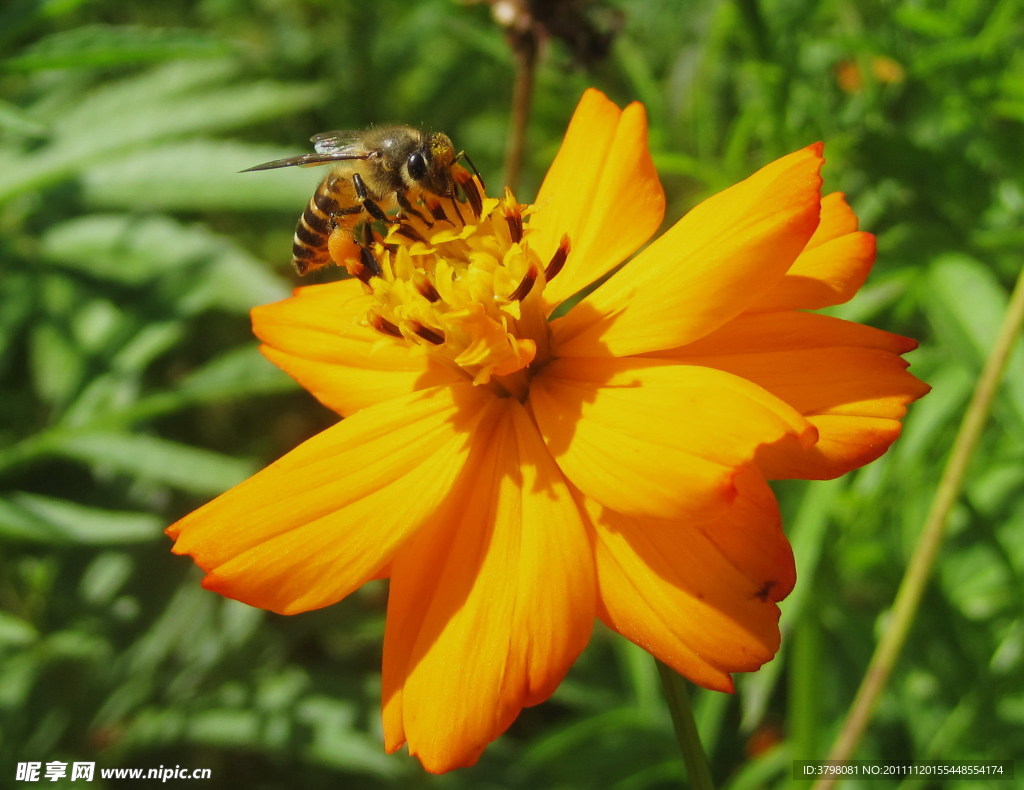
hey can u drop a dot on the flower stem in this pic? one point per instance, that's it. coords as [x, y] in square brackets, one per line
[686, 728]
[908, 597]
[524, 47]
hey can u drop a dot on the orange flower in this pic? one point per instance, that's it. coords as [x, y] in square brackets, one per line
[514, 476]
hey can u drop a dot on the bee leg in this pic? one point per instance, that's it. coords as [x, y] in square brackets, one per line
[368, 204]
[455, 205]
[406, 206]
[371, 267]
[369, 262]
[344, 212]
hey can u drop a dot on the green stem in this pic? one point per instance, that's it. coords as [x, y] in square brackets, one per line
[524, 47]
[908, 598]
[750, 10]
[686, 728]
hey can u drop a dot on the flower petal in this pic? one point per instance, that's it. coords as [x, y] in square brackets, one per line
[710, 266]
[837, 220]
[786, 331]
[648, 438]
[320, 338]
[699, 593]
[490, 603]
[322, 520]
[602, 191]
[832, 267]
[847, 379]
[845, 443]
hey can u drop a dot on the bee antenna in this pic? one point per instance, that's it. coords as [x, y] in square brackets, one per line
[464, 155]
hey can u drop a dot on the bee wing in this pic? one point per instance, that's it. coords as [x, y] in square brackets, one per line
[296, 161]
[336, 146]
[342, 142]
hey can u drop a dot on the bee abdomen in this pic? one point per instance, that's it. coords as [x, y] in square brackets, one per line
[309, 244]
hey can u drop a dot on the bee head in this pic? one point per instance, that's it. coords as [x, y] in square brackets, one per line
[430, 165]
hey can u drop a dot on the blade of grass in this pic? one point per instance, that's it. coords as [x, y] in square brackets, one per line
[908, 597]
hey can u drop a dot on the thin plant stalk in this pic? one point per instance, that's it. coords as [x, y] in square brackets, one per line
[678, 700]
[524, 48]
[908, 597]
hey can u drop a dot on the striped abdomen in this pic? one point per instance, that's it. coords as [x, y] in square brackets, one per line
[333, 202]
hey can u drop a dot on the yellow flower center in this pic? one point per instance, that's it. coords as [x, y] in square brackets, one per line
[460, 281]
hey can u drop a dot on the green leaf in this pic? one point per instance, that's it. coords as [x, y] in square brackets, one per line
[200, 175]
[39, 519]
[16, 121]
[113, 45]
[967, 305]
[176, 100]
[18, 17]
[105, 577]
[190, 469]
[56, 362]
[16, 632]
[243, 371]
[134, 250]
[18, 295]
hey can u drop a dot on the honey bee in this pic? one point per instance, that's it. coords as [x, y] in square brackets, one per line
[375, 170]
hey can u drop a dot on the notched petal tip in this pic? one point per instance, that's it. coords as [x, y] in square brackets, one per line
[716, 262]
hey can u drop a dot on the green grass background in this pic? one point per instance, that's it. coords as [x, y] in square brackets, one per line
[131, 390]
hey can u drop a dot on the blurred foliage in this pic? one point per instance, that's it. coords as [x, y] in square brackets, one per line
[131, 251]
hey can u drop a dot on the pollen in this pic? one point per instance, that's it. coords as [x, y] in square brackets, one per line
[461, 282]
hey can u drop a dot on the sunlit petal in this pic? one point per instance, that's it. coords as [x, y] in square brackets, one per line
[826, 369]
[608, 211]
[832, 267]
[490, 603]
[322, 520]
[710, 266]
[698, 592]
[320, 338]
[655, 439]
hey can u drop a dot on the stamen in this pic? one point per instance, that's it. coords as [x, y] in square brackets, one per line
[428, 334]
[427, 289]
[469, 189]
[384, 326]
[525, 286]
[558, 259]
[450, 296]
[514, 218]
[410, 233]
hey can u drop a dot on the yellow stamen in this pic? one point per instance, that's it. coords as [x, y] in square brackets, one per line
[468, 293]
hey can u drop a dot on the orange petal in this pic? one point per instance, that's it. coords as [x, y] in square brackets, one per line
[602, 191]
[786, 331]
[837, 219]
[713, 264]
[838, 374]
[831, 269]
[320, 338]
[648, 438]
[490, 603]
[698, 592]
[322, 520]
[845, 443]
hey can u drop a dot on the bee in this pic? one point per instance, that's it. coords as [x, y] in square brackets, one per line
[374, 172]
